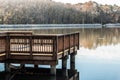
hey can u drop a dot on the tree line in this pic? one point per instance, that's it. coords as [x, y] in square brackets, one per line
[50, 12]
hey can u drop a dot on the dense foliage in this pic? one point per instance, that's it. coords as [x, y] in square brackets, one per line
[50, 12]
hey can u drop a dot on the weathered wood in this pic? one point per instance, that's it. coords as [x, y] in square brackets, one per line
[2, 47]
[30, 40]
[7, 46]
[63, 46]
[55, 48]
[37, 62]
[78, 40]
[25, 47]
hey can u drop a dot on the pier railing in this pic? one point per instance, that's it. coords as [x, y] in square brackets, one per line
[28, 46]
[2, 45]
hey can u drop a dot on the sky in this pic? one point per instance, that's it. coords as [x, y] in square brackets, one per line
[111, 2]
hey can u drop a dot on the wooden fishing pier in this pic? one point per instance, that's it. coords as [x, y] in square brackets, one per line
[24, 47]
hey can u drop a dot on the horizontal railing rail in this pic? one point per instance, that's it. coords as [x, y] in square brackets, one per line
[17, 44]
[68, 41]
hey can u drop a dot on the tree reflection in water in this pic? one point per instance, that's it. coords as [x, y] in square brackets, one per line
[90, 37]
[98, 37]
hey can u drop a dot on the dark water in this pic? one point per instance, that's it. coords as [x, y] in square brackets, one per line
[99, 54]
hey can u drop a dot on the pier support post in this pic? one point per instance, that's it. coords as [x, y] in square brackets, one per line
[64, 62]
[72, 61]
[64, 66]
[35, 66]
[7, 67]
[22, 65]
[53, 70]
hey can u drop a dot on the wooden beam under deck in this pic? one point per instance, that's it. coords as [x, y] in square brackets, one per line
[35, 62]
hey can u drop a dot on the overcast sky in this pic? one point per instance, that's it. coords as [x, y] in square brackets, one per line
[112, 2]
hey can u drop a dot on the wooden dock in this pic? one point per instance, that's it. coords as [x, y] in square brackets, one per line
[38, 49]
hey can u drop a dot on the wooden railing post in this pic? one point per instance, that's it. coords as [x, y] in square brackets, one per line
[74, 41]
[69, 43]
[78, 40]
[7, 47]
[55, 47]
[30, 39]
[63, 46]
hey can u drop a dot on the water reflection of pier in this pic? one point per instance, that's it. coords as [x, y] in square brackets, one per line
[31, 74]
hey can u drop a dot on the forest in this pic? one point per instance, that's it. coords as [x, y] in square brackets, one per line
[50, 12]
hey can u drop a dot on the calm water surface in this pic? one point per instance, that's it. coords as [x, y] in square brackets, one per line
[99, 55]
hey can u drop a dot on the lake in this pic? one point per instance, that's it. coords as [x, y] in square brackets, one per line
[98, 57]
